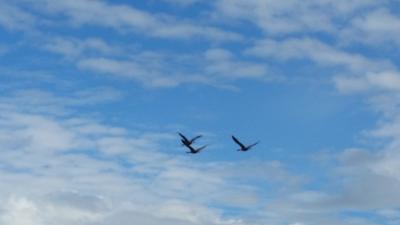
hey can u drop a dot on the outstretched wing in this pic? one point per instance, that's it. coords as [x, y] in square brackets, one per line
[248, 147]
[238, 142]
[195, 138]
[183, 137]
[201, 148]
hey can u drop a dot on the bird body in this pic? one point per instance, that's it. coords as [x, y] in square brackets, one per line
[186, 141]
[194, 150]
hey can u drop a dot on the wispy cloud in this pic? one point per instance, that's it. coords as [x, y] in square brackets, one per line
[100, 173]
[375, 28]
[183, 2]
[13, 18]
[222, 63]
[73, 48]
[381, 81]
[37, 101]
[318, 52]
[217, 67]
[65, 161]
[122, 18]
[277, 18]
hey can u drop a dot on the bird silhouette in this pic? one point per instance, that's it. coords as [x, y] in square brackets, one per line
[243, 148]
[194, 150]
[186, 141]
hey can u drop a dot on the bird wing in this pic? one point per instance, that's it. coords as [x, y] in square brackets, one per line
[195, 138]
[201, 148]
[238, 142]
[183, 137]
[252, 145]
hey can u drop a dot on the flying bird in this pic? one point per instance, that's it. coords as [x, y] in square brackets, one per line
[186, 141]
[194, 150]
[243, 148]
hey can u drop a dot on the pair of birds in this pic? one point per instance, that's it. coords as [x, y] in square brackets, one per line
[188, 143]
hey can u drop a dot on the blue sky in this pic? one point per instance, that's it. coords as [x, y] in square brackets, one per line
[93, 93]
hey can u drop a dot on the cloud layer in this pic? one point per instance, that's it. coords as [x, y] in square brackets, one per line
[64, 160]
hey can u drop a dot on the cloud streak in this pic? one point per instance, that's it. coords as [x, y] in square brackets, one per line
[88, 172]
[121, 18]
[65, 160]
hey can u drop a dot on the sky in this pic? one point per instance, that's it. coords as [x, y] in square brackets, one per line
[93, 93]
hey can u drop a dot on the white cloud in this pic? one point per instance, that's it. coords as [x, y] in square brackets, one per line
[387, 105]
[223, 64]
[216, 67]
[183, 2]
[352, 72]
[144, 73]
[124, 18]
[73, 48]
[318, 52]
[361, 181]
[74, 208]
[365, 180]
[153, 69]
[37, 101]
[13, 18]
[385, 80]
[81, 171]
[285, 17]
[377, 27]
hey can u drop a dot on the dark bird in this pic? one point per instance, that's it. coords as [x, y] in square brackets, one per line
[194, 150]
[242, 146]
[186, 141]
